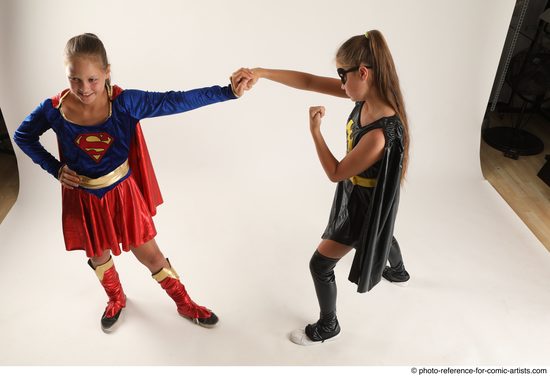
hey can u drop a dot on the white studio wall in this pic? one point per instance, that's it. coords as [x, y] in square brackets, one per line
[245, 196]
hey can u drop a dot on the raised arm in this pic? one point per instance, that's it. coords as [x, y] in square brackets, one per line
[300, 80]
[367, 151]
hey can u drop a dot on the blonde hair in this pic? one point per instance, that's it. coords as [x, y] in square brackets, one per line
[370, 49]
[88, 45]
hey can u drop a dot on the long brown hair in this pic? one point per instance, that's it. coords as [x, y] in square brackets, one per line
[87, 45]
[371, 49]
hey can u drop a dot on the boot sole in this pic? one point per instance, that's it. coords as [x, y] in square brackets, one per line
[113, 327]
[197, 322]
[398, 284]
[299, 337]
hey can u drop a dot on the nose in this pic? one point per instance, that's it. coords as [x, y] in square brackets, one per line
[83, 87]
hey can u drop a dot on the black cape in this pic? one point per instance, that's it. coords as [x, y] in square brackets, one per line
[374, 244]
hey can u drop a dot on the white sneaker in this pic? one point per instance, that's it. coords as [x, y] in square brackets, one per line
[300, 337]
[398, 284]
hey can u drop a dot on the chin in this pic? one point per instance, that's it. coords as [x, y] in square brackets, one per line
[87, 99]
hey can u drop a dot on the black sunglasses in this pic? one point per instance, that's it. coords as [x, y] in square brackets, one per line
[343, 73]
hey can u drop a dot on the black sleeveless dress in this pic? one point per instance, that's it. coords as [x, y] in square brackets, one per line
[363, 217]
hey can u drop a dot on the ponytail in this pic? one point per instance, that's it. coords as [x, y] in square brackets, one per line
[371, 49]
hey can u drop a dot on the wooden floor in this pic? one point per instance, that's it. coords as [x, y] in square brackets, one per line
[517, 180]
[9, 183]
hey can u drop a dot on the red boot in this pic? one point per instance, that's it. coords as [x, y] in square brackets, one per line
[108, 277]
[169, 281]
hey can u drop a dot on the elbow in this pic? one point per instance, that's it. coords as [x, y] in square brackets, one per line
[308, 82]
[17, 139]
[335, 175]
[335, 178]
[22, 140]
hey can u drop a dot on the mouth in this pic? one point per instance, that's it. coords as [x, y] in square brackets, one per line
[85, 95]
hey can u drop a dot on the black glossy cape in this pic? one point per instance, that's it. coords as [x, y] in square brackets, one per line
[374, 244]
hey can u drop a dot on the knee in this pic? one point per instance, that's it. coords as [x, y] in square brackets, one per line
[151, 257]
[322, 267]
[100, 260]
[155, 260]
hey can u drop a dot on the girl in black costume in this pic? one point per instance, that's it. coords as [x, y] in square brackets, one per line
[367, 195]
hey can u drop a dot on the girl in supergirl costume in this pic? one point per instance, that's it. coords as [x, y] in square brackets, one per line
[367, 195]
[109, 189]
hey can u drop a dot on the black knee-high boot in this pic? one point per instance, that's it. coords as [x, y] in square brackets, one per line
[322, 271]
[395, 258]
[396, 271]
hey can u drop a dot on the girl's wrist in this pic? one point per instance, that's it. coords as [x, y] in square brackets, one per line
[60, 171]
[316, 131]
[258, 72]
[233, 89]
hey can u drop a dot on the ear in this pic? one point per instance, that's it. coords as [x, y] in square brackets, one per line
[364, 72]
[108, 71]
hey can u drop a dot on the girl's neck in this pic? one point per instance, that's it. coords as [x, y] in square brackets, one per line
[375, 108]
[87, 114]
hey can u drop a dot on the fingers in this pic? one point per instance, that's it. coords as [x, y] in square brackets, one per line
[316, 111]
[241, 74]
[244, 77]
[241, 71]
[315, 115]
[240, 88]
[69, 178]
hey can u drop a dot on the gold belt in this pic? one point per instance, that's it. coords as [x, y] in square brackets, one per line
[105, 180]
[363, 182]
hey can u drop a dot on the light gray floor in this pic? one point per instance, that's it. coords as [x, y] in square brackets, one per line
[478, 294]
[246, 198]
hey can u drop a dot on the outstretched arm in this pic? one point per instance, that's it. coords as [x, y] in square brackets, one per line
[143, 104]
[297, 80]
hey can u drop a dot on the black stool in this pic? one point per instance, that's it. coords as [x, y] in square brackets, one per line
[529, 78]
[544, 172]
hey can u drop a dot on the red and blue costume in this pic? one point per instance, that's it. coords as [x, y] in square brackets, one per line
[120, 214]
[118, 193]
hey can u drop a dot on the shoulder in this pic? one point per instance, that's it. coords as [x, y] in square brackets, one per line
[120, 94]
[126, 94]
[373, 137]
[117, 94]
[125, 99]
[392, 122]
[46, 108]
[393, 128]
[58, 98]
[47, 104]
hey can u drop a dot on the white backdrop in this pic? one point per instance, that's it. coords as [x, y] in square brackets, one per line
[246, 199]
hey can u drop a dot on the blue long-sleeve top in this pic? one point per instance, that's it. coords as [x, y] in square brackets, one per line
[96, 150]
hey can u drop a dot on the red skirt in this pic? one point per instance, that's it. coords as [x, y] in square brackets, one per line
[120, 220]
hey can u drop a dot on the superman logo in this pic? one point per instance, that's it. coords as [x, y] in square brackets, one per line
[94, 144]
